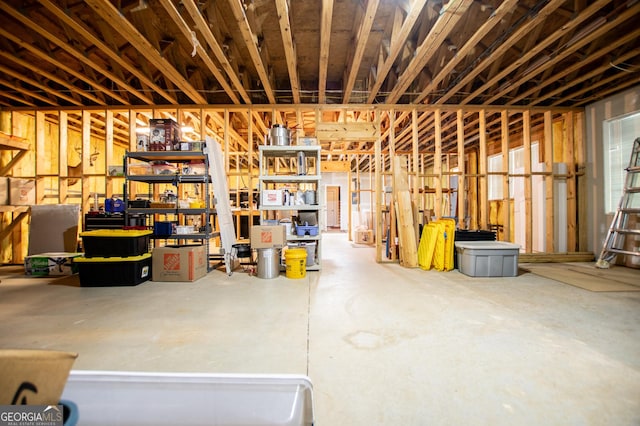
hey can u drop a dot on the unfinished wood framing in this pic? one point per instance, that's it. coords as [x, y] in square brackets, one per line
[71, 150]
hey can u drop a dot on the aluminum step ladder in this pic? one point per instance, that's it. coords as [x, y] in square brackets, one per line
[629, 206]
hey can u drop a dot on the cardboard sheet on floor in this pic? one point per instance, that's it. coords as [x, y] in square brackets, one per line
[582, 277]
[54, 228]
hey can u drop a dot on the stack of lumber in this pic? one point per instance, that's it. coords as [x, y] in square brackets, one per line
[408, 246]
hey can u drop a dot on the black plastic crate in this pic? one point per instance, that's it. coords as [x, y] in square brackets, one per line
[115, 242]
[114, 271]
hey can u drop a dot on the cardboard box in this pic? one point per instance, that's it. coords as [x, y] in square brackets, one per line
[272, 197]
[46, 264]
[22, 192]
[268, 236]
[4, 191]
[44, 370]
[164, 135]
[179, 263]
[364, 236]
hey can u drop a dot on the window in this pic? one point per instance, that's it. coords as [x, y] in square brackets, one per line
[619, 134]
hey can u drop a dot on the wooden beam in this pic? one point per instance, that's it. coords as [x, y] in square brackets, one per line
[581, 256]
[560, 74]
[325, 41]
[346, 131]
[361, 38]
[462, 187]
[84, 166]
[580, 159]
[251, 43]
[528, 188]
[205, 31]
[398, 41]
[107, 11]
[79, 56]
[487, 27]
[404, 210]
[530, 54]
[73, 22]
[378, 185]
[437, 164]
[569, 159]
[521, 32]
[282, 7]
[506, 200]
[548, 181]
[450, 15]
[34, 83]
[482, 170]
[335, 166]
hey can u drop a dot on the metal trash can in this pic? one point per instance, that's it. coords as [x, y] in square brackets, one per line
[268, 263]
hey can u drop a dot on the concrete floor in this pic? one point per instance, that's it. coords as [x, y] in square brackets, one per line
[383, 345]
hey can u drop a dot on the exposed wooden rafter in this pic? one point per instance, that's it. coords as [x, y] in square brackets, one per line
[110, 14]
[289, 48]
[325, 42]
[360, 42]
[203, 27]
[445, 24]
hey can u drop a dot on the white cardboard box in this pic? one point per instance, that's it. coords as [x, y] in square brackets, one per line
[272, 197]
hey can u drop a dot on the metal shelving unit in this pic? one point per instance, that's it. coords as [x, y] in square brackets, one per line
[279, 168]
[177, 157]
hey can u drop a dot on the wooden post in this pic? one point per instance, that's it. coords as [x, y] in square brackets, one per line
[63, 160]
[528, 208]
[108, 146]
[484, 194]
[548, 163]
[580, 158]
[250, 168]
[472, 191]
[226, 141]
[569, 159]
[378, 189]
[506, 205]
[350, 190]
[392, 211]
[413, 171]
[462, 195]
[86, 154]
[437, 164]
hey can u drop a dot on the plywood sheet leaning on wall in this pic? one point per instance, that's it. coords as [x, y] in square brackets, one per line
[404, 210]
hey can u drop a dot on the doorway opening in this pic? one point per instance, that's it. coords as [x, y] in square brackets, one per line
[333, 208]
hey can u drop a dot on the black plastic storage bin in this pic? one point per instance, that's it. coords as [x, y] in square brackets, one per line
[467, 235]
[115, 242]
[114, 271]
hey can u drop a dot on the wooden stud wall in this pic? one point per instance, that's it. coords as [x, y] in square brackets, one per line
[434, 140]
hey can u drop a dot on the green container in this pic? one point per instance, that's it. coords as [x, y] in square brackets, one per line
[51, 264]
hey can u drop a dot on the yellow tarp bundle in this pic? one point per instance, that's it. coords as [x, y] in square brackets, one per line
[436, 247]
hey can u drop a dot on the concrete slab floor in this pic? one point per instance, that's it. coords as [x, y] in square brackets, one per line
[383, 345]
